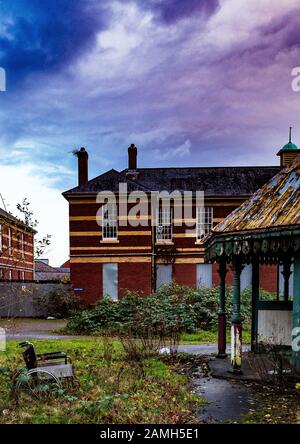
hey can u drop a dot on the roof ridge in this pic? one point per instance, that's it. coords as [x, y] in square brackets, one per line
[206, 167]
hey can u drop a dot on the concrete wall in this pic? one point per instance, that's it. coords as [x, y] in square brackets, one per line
[26, 300]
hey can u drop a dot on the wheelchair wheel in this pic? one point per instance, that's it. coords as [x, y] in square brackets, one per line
[37, 383]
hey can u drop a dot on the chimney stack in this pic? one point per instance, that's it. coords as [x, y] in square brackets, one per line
[82, 166]
[132, 157]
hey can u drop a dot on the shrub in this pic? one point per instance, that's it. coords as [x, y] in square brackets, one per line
[174, 309]
[59, 303]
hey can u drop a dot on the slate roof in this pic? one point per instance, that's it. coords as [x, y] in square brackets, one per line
[275, 205]
[107, 181]
[4, 214]
[44, 271]
[214, 181]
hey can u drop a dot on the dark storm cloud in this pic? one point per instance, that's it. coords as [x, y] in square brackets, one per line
[172, 10]
[47, 35]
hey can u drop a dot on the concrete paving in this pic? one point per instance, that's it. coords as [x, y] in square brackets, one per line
[19, 329]
[227, 400]
[204, 349]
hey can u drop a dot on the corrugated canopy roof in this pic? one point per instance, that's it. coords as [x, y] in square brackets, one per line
[275, 205]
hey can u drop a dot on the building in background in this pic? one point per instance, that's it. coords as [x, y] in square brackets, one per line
[16, 249]
[112, 258]
[44, 272]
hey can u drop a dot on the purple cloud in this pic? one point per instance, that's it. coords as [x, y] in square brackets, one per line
[170, 11]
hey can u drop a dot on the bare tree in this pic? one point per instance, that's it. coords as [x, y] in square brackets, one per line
[40, 245]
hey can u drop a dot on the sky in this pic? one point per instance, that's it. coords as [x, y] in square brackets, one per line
[190, 82]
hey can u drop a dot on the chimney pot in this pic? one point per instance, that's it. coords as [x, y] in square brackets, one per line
[132, 157]
[83, 157]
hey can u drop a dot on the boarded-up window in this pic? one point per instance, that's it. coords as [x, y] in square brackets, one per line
[246, 277]
[110, 280]
[204, 275]
[163, 274]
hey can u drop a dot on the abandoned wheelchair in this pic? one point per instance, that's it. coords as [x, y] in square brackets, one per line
[44, 373]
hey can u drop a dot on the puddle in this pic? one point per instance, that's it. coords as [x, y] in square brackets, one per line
[228, 400]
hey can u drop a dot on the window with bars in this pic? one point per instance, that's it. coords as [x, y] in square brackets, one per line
[109, 222]
[204, 222]
[164, 229]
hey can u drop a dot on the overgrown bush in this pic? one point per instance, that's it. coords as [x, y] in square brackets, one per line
[59, 302]
[171, 311]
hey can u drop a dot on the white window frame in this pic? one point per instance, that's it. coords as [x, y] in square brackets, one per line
[109, 222]
[204, 222]
[164, 224]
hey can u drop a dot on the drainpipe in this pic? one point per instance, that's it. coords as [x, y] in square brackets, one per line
[255, 299]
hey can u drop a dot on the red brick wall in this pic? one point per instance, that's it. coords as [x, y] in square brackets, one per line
[134, 277]
[216, 277]
[185, 274]
[268, 277]
[88, 277]
[13, 260]
[131, 276]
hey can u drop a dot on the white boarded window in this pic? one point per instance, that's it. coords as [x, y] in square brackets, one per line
[164, 224]
[110, 280]
[204, 222]
[246, 277]
[204, 275]
[163, 275]
[109, 222]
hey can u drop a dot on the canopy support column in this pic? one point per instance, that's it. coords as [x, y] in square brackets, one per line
[286, 272]
[296, 315]
[222, 314]
[255, 298]
[236, 321]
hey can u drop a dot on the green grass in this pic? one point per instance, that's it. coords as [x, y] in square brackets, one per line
[211, 337]
[111, 390]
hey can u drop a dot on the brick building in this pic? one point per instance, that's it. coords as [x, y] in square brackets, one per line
[108, 257]
[16, 249]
